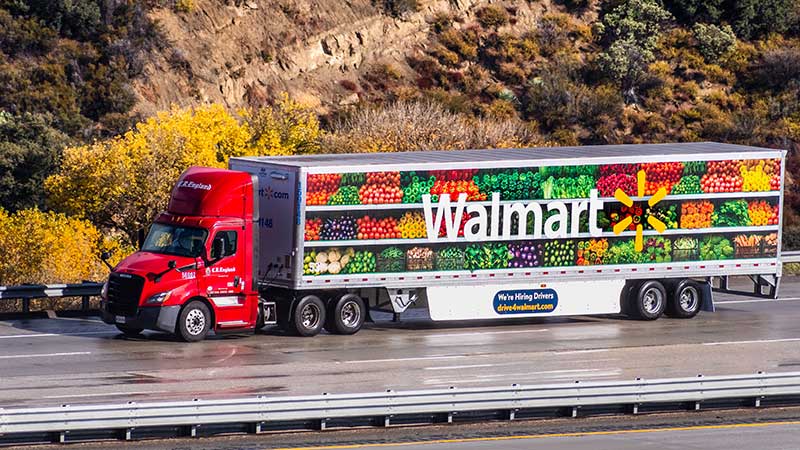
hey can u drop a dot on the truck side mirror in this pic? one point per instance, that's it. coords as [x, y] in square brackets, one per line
[105, 256]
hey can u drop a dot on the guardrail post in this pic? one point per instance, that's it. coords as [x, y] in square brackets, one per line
[323, 424]
[512, 414]
[85, 303]
[26, 305]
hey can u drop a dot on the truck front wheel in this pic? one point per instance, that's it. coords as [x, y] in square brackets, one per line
[346, 315]
[308, 316]
[194, 322]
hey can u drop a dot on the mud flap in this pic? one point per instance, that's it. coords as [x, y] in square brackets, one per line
[708, 296]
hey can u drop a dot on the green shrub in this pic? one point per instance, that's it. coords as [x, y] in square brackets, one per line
[713, 41]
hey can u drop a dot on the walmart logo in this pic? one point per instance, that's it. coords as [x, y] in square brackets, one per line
[659, 226]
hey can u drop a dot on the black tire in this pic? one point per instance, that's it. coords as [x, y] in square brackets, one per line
[129, 331]
[625, 298]
[686, 300]
[308, 316]
[649, 300]
[346, 315]
[194, 322]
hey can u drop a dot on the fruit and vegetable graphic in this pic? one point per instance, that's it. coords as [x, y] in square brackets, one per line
[591, 252]
[559, 253]
[660, 181]
[762, 213]
[715, 247]
[696, 214]
[525, 254]
[381, 188]
[733, 213]
[722, 176]
[412, 225]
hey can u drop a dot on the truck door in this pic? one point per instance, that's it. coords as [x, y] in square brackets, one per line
[224, 280]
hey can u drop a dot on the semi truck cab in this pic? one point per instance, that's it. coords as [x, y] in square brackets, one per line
[194, 271]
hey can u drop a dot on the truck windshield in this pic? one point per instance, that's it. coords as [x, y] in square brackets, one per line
[175, 240]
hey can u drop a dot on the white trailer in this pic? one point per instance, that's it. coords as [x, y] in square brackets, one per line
[510, 233]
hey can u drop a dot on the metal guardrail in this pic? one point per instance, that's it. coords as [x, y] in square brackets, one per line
[383, 407]
[790, 257]
[33, 291]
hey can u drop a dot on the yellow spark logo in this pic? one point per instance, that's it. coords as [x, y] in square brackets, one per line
[623, 198]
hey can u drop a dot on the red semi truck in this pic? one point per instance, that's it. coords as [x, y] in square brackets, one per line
[313, 242]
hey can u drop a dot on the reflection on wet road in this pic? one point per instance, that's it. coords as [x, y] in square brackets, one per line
[54, 361]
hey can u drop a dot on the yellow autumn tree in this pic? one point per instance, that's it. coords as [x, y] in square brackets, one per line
[122, 183]
[47, 247]
[288, 128]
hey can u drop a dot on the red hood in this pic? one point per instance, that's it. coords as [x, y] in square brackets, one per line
[142, 263]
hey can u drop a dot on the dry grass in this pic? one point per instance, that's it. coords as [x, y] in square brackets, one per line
[412, 126]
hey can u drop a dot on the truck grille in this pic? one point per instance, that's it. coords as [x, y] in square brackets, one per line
[124, 291]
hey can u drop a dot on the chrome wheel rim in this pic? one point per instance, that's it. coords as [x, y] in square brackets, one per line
[689, 298]
[350, 314]
[195, 322]
[653, 299]
[309, 316]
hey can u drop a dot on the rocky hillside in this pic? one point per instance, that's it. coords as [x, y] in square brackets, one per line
[244, 52]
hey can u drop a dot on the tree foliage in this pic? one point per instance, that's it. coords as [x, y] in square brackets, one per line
[124, 182]
[714, 42]
[29, 151]
[749, 18]
[631, 32]
[45, 247]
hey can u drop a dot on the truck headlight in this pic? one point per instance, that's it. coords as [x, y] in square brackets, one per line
[104, 291]
[158, 298]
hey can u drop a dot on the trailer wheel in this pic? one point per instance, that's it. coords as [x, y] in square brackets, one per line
[308, 316]
[685, 301]
[649, 300]
[129, 331]
[346, 315]
[194, 322]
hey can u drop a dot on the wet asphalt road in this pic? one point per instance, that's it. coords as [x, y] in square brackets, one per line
[75, 361]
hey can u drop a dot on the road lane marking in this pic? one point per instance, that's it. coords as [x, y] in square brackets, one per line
[44, 355]
[420, 358]
[471, 366]
[546, 374]
[757, 300]
[483, 333]
[757, 341]
[110, 394]
[552, 435]
[84, 333]
[580, 352]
